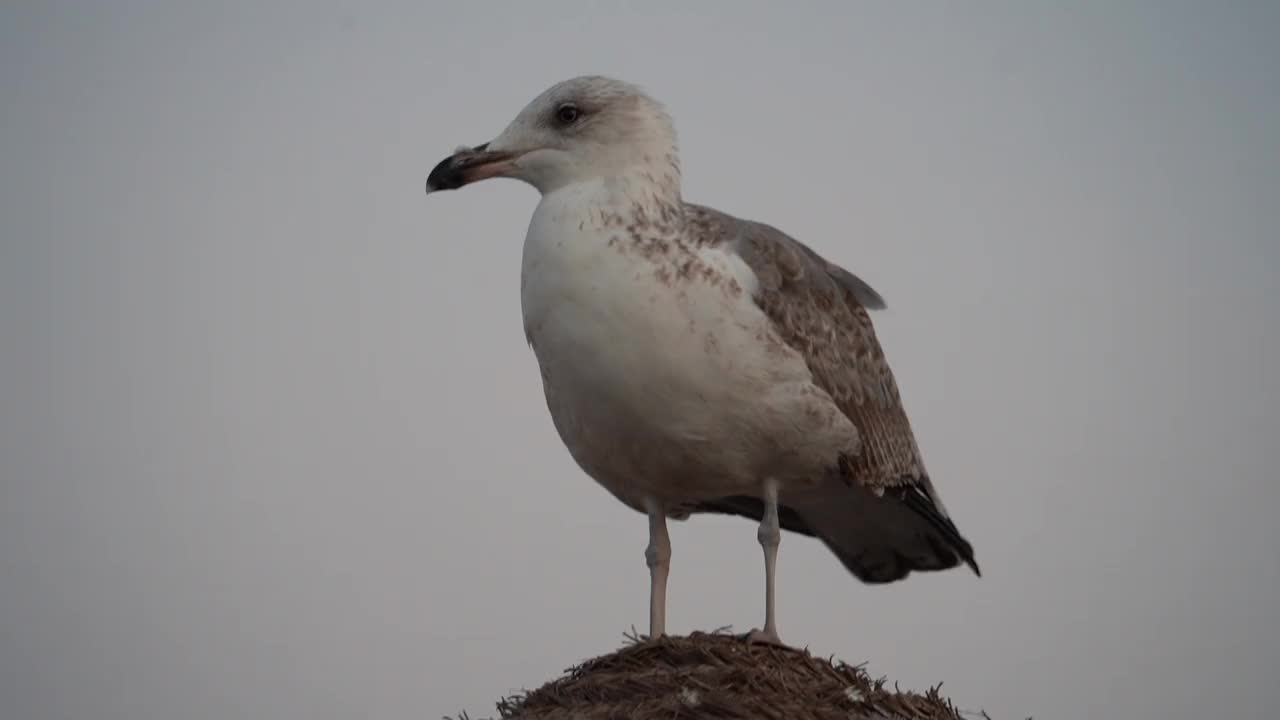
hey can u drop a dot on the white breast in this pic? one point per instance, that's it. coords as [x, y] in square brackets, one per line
[660, 383]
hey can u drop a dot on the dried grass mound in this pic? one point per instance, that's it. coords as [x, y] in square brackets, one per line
[715, 675]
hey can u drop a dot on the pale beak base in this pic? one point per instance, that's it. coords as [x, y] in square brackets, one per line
[467, 166]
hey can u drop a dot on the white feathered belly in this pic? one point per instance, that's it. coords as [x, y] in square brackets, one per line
[666, 384]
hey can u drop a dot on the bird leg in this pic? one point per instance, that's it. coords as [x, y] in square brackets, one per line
[770, 536]
[658, 557]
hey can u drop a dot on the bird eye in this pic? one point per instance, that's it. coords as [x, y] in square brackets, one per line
[568, 114]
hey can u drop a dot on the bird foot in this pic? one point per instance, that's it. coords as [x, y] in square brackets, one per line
[764, 637]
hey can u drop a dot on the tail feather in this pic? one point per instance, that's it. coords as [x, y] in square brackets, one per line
[880, 539]
[927, 508]
[753, 508]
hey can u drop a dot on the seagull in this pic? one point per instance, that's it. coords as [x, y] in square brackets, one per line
[694, 362]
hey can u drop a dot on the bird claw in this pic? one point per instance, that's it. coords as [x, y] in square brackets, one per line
[764, 637]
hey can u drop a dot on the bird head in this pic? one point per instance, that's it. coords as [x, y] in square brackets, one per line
[586, 128]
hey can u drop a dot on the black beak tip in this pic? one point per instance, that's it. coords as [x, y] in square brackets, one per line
[444, 176]
[447, 175]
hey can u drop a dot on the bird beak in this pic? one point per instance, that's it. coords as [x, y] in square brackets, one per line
[468, 165]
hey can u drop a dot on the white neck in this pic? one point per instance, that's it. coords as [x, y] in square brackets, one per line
[641, 198]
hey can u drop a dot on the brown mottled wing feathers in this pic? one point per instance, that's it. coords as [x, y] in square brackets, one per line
[821, 310]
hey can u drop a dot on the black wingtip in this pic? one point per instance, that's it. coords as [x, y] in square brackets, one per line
[914, 498]
[973, 565]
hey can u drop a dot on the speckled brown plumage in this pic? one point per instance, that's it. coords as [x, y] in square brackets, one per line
[820, 311]
[696, 362]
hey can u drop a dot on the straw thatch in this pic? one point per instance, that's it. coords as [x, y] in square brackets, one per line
[716, 675]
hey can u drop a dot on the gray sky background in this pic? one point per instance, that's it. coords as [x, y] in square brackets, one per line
[272, 444]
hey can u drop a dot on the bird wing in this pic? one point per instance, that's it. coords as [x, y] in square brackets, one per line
[822, 311]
